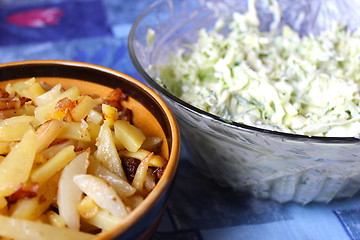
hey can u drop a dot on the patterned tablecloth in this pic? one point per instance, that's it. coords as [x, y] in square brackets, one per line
[96, 31]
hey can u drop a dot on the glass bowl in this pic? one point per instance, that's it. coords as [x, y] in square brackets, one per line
[270, 165]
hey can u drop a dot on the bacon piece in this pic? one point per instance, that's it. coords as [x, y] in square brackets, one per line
[159, 171]
[25, 190]
[130, 165]
[4, 93]
[117, 94]
[114, 98]
[9, 103]
[23, 100]
[12, 103]
[113, 103]
[126, 114]
[78, 149]
[63, 110]
[65, 103]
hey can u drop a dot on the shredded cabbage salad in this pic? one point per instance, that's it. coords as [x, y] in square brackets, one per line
[279, 81]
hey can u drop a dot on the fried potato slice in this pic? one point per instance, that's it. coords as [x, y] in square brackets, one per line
[69, 194]
[141, 173]
[102, 194]
[48, 132]
[154, 161]
[76, 131]
[33, 208]
[103, 220]
[122, 187]
[15, 168]
[19, 229]
[130, 136]
[44, 111]
[110, 114]
[106, 152]
[83, 108]
[53, 165]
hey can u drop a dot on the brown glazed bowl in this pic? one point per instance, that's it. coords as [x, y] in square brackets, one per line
[150, 114]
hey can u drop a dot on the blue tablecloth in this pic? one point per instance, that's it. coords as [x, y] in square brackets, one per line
[96, 31]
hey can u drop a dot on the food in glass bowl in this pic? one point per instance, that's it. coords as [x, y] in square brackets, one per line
[252, 104]
[283, 82]
[76, 165]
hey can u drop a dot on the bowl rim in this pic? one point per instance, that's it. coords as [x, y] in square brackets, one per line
[199, 112]
[174, 153]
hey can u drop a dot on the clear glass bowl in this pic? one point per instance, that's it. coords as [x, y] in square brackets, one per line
[271, 165]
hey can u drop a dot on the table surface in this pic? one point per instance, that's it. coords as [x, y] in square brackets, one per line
[198, 208]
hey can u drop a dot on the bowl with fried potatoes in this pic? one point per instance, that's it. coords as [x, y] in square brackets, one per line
[86, 152]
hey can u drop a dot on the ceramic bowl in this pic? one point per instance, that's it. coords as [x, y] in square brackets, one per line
[268, 164]
[150, 113]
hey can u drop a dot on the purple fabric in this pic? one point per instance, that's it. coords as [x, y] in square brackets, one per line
[53, 22]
